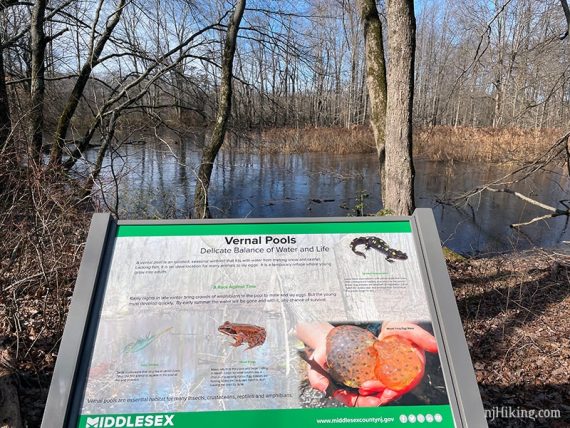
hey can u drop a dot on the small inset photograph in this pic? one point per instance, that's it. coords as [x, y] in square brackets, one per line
[369, 364]
[247, 335]
[373, 246]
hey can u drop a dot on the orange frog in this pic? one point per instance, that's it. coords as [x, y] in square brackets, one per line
[253, 335]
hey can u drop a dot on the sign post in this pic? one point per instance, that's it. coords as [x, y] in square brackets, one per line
[289, 322]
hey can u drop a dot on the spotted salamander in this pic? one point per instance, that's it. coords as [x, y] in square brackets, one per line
[379, 245]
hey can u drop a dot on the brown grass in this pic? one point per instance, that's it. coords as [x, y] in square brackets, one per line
[432, 143]
[323, 140]
[482, 144]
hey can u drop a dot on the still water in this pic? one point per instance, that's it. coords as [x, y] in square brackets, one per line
[157, 181]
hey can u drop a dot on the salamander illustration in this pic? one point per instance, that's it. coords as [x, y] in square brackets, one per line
[379, 245]
[143, 342]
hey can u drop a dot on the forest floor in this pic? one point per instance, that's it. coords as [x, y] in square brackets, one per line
[515, 310]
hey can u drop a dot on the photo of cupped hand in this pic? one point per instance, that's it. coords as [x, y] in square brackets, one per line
[372, 364]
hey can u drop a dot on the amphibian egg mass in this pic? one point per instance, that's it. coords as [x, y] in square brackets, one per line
[354, 356]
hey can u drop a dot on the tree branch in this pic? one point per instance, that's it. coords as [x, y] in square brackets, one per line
[536, 219]
[558, 149]
[51, 38]
[529, 200]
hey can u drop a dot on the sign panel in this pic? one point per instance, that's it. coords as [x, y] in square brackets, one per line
[286, 323]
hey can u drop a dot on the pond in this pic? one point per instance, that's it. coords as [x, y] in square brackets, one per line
[157, 181]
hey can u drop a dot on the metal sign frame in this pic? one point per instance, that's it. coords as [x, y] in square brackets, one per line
[71, 369]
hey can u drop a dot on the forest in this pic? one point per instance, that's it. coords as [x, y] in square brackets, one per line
[299, 64]
[227, 108]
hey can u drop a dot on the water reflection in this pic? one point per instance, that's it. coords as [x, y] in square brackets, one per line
[158, 182]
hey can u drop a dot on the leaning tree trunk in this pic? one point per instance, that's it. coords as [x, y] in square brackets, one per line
[106, 143]
[77, 92]
[37, 82]
[375, 78]
[399, 196]
[201, 208]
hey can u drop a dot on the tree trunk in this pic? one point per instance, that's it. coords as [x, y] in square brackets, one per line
[77, 91]
[106, 143]
[5, 122]
[37, 82]
[399, 196]
[566, 9]
[201, 208]
[375, 80]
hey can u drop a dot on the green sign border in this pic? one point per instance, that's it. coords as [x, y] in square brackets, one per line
[359, 417]
[130, 231]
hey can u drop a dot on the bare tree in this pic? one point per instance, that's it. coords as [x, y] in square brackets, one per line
[375, 80]
[38, 44]
[130, 91]
[201, 207]
[93, 58]
[399, 196]
[37, 82]
[5, 120]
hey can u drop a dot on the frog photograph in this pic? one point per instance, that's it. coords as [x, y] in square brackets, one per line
[252, 335]
[370, 364]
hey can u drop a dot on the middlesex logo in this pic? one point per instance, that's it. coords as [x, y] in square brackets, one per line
[130, 421]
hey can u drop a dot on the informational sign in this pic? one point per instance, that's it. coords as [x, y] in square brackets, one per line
[288, 323]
